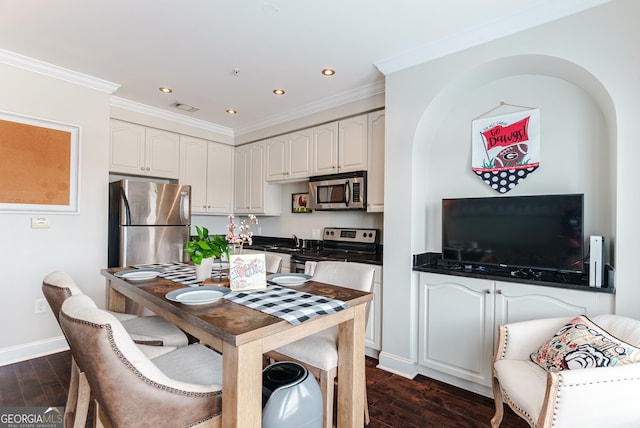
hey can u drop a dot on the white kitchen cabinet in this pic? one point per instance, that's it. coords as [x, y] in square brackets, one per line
[208, 167]
[375, 162]
[288, 157]
[456, 326]
[340, 146]
[253, 195]
[139, 150]
[459, 318]
[373, 334]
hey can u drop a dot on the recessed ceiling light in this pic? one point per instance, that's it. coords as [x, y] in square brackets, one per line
[278, 91]
[328, 72]
[165, 90]
[232, 111]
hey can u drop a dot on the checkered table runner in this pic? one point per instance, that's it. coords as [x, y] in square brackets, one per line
[291, 305]
[178, 272]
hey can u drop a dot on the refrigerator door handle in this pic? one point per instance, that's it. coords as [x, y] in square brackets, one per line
[127, 210]
[184, 207]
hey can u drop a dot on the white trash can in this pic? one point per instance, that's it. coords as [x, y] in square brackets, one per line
[291, 397]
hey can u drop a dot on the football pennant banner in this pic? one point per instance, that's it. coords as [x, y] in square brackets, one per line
[506, 148]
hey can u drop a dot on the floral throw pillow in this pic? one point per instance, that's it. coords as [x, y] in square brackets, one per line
[581, 344]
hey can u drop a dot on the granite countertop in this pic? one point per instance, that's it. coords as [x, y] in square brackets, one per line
[433, 263]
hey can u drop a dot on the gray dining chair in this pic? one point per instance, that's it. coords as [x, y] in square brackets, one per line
[159, 335]
[319, 352]
[179, 388]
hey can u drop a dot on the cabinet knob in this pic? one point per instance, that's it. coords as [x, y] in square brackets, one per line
[141, 168]
[487, 291]
[498, 291]
[148, 169]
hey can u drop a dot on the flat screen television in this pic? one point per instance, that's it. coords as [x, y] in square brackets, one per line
[538, 232]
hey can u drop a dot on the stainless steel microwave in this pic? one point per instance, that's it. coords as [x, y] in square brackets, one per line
[345, 191]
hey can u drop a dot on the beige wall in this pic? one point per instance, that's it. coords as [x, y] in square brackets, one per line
[75, 242]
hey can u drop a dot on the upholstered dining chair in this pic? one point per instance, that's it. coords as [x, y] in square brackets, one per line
[273, 263]
[179, 388]
[151, 330]
[569, 372]
[319, 352]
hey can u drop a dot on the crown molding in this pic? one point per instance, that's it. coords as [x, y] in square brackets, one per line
[166, 115]
[337, 100]
[54, 71]
[541, 12]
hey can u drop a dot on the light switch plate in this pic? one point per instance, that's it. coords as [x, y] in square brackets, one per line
[40, 222]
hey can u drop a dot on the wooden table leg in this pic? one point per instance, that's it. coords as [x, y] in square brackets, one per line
[115, 301]
[242, 385]
[351, 381]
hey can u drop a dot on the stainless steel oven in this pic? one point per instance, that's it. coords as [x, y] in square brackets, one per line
[346, 191]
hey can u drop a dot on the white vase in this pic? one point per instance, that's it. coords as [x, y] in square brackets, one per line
[203, 270]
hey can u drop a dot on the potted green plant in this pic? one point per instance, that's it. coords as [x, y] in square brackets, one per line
[203, 249]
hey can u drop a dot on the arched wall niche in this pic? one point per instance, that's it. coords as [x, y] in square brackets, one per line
[578, 141]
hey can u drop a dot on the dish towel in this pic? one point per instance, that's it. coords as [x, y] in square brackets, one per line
[291, 305]
[178, 272]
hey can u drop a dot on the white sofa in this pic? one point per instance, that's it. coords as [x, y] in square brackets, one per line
[587, 397]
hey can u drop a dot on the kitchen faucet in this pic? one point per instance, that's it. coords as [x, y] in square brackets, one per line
[297, 241]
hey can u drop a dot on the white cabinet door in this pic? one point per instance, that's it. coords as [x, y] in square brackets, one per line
[277, 158]
[126, 154]
[138, 150]
[208, 167]
[456, 326]
[375, 165]
[352, 144]
[300, 154]
[193, 171]
[523, 302]
[219, 178]
[252, 193]
[325, 149]
[241, 167]
[162, 153]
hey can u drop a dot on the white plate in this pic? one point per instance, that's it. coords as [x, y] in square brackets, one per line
[289, 279]
[197, 295]
[138, 274]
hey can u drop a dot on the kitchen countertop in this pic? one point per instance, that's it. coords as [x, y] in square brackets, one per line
[312, 252]
[429, 262]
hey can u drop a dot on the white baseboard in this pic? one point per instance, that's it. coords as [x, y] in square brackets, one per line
[398, 365]
[31, 350]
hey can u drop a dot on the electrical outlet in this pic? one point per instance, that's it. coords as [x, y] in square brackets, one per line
[39, 306]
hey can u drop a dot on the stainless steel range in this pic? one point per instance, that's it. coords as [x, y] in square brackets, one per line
[341, 244]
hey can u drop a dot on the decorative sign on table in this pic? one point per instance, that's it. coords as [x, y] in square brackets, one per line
[247, 272]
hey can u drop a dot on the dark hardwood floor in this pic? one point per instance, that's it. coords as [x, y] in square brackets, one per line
[394, 401]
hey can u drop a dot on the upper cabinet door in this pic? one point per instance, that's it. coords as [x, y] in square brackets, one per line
[162, 153]
[375, 167]
[193, 170]
[352, 146]
[300, 154]
[325, 149]
[220, 179]
[126, 154]
[277, 162]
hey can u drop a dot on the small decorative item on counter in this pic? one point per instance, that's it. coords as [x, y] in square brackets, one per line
[246, 271]
[203, 249]
[239, 235]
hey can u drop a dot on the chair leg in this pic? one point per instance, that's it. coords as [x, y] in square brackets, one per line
[497, 398]
[82, 405]
[72, 396]
[367, 419]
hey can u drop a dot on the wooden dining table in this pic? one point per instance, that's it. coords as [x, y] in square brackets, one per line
[243, 335]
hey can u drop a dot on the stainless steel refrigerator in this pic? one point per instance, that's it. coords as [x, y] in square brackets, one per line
[148, 222]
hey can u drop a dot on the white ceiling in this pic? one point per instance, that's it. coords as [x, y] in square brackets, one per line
[193, 46]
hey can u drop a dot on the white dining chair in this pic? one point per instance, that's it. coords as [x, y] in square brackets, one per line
[319, 352]
[273, 263]
[179, 388]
